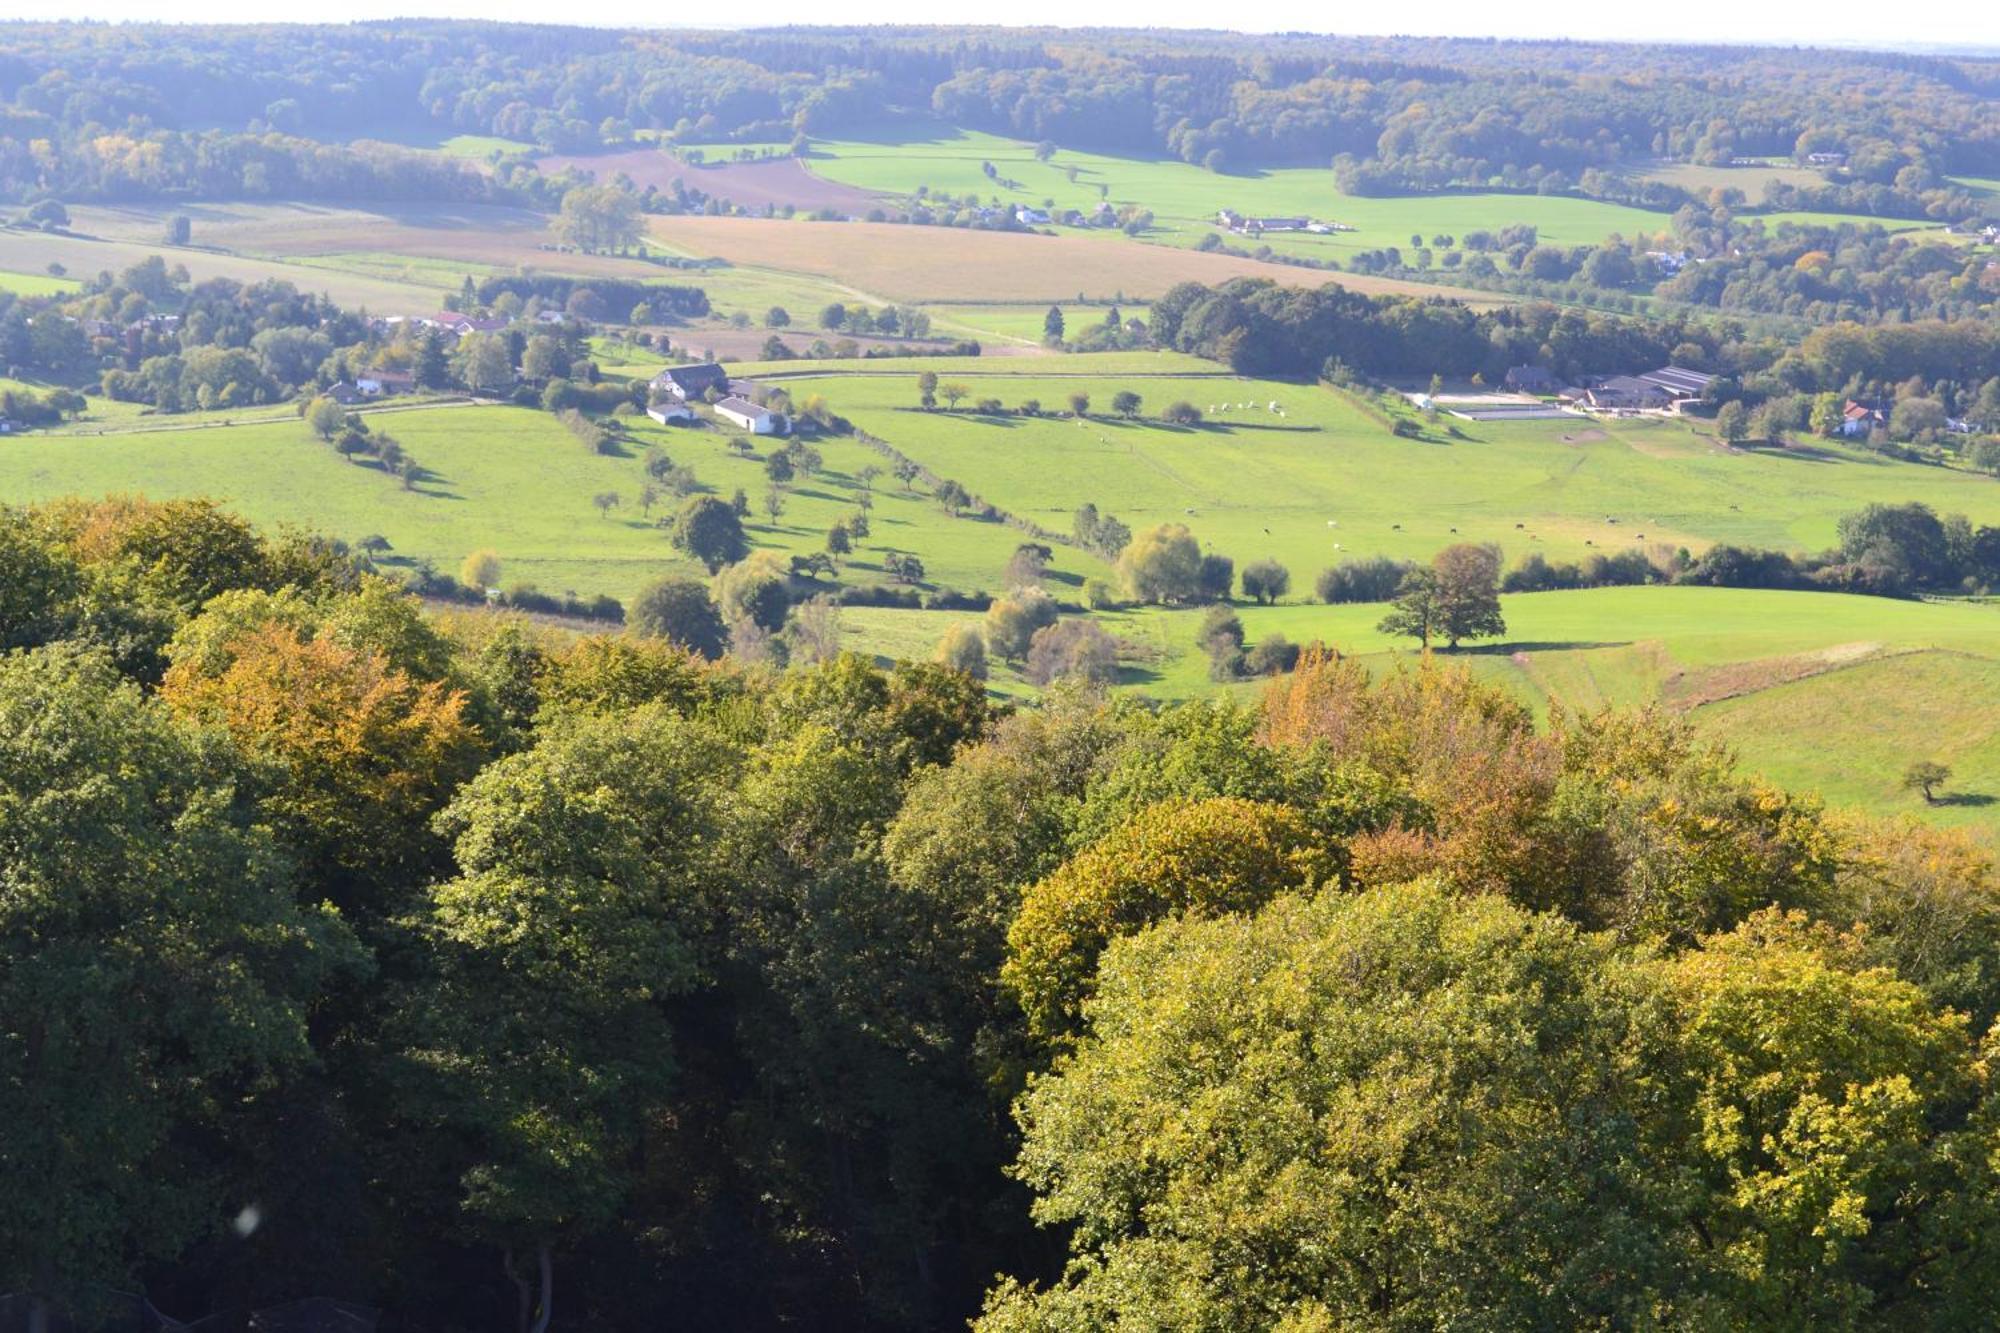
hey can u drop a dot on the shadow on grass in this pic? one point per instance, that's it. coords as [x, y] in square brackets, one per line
[1804, 454]
[1969, 799]
[1508, 649]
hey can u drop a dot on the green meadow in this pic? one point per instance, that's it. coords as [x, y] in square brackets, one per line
[1815, 691]
[1185, 198]
[36, 284]
[513, 480]
[1327, 481]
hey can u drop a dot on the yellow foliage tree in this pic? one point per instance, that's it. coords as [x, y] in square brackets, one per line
[364, 754]
[1201, 858]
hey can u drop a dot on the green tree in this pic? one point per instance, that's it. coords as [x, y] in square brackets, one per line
[1052, 326]
[1125, 403]
[709, 530]
[682, 612]
[157, 972]
[585, 872]
[1732, 422]
[1266, 581]
[325, 417]
[1416, 612]
[757, 590]
[1926, 776]
[1468, 592]
[599, 217]
[1162, 564]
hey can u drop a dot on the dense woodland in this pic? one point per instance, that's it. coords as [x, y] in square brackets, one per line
[490, 975]
[131, 111]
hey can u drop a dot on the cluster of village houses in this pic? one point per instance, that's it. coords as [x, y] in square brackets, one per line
[452, 324]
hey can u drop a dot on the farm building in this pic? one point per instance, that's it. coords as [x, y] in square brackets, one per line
[685, 382]
[381, 383]
[670, 410]
[1531, 379]
[1678, 382]
[746, 414]
[1627, 393]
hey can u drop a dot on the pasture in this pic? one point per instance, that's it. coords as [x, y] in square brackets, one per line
[1184, 198]
[1815, 691]
[511, 479]
[1327, 480]
[36, 284]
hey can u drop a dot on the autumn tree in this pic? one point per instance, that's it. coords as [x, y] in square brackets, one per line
[1199, 858]
[362, 753]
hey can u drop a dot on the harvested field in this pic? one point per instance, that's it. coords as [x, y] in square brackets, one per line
[769, 181]
[726, 344]
[906, 263]
[484, 235]
[33, 251]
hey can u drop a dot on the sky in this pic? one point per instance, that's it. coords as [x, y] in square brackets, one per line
[1922, 23]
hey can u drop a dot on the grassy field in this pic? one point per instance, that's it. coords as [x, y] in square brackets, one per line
[506, 478]
[1184, 197]
[1327, 481]
[1816, 691]
[36, 284]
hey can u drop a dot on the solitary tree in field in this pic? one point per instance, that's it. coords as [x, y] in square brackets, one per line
[1079, 403]
[606, 501]
[1926, 776]
[1052, 326]
[1125, 403]
[481, 570]
[952, 393]
[1045, 150]
[927, 384]
[708, 529]
[325, 417]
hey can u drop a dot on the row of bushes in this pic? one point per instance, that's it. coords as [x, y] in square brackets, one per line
[913, 599]
[427, 582]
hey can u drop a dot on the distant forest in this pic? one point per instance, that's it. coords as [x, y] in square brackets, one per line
[136, 111]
